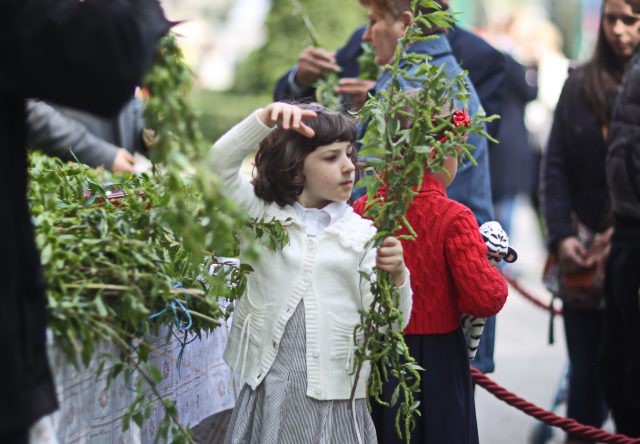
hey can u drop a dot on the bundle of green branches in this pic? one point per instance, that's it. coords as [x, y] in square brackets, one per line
[109, 265]
[397, 156]
[124, 255]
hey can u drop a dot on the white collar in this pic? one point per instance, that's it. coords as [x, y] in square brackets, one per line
[317, 219]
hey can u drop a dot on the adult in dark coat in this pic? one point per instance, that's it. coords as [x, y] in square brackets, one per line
[486, 70]
[620, 360]
[88, 55]
[577, 208]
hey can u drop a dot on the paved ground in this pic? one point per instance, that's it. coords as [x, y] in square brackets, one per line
[525, 363]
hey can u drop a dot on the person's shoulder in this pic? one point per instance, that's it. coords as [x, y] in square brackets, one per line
[575, 81]
[353, 219]
[440, 206]
[455, 212]
[352, 230]
[462, 40]
[577, 73]
[356, 36]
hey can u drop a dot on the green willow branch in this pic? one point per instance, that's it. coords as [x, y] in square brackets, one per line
[397, 156]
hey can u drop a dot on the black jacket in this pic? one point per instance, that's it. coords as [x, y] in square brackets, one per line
[88, 55]
[484, 63]
[511, 161]
[573, 177]
[623, 156]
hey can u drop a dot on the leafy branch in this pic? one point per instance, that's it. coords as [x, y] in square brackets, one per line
[403, 127]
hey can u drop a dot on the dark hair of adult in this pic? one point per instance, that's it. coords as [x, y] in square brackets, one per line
[394, 8]
[280, 157]
[602, 77]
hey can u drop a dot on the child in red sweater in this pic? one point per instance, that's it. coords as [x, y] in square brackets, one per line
[450, 275]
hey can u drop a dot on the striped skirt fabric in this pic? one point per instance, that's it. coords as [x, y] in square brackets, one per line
[280, 412]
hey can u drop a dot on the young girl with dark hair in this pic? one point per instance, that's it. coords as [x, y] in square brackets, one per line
[292, 335]
[576, 204]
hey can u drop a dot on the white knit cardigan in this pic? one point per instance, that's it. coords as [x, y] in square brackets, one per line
[322, 269]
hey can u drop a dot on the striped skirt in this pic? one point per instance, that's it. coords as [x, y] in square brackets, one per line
[280, 412]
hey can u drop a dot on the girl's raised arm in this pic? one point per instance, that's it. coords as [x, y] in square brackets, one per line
[226, 157]
[228, 153]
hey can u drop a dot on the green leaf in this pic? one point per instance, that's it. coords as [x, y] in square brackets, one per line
[155, 373]
[102, 310]
[45, 254]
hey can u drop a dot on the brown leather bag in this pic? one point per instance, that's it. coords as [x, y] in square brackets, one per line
[578, 289]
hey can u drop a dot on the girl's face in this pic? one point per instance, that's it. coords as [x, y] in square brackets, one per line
[621, 28]
[329, 174]
[383, 32]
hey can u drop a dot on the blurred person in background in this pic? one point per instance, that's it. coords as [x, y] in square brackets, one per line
[539, 47]
[576, 204]
[88, 55]
[511, 160]
[619, 360]
[94, 140]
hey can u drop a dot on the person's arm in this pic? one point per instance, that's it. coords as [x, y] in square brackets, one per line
[226, 158]
[88, 55]
[58, 135]
[482, 291]
[554, 184]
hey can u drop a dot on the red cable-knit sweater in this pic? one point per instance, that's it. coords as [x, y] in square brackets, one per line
[450, 273]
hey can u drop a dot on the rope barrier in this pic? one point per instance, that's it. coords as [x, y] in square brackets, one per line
[567, 424]
[527, 295]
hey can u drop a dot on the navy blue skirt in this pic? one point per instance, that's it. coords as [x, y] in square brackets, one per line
[446, 397]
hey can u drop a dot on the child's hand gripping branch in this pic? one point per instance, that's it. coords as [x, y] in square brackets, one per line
[390, 259]
[498, 249]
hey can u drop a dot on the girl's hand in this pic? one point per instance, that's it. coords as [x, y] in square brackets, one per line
[287, 116]
[390, 258]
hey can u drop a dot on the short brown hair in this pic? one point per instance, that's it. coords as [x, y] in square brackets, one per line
[280, 157]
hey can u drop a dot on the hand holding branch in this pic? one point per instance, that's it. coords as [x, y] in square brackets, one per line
[390, 259]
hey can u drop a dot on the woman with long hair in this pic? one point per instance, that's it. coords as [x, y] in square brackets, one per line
[575, 200]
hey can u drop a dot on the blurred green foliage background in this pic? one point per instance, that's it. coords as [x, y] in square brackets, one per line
[286, 37]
